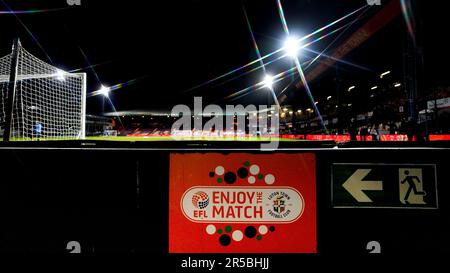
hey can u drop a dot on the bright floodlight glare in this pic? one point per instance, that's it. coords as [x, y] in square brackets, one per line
[292, 46]
[397, 84]
[384, 74]
[268, 81]
[59, 75]
[351, 87]
[104, 91]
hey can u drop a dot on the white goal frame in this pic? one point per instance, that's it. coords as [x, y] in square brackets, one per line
[59, 109]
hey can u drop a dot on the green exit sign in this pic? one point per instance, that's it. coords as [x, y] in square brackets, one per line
[375, 185]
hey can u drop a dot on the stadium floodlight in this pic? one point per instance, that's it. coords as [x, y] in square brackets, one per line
[104, 91]
[299, 111]
[384, 74]
[60, 75]
[292, 46]
[397, 84]
[351, 87]
[373, 87]
[329, 97]
[268, 81]
[316, 103]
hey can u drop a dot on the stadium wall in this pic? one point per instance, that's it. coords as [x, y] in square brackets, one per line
[116, 200]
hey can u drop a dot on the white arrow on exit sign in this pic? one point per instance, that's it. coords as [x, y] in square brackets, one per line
[355, 185]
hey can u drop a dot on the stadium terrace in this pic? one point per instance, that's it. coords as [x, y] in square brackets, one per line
[259, 118]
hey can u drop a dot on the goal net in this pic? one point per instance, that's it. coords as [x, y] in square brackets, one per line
[49, 103]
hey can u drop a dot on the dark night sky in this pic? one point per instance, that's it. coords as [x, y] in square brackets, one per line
[176, 45]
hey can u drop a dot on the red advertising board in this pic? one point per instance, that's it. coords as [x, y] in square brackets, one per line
[242, 203]
[439, 137]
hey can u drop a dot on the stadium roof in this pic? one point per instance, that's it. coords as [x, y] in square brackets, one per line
[163, 112]
[137, 113]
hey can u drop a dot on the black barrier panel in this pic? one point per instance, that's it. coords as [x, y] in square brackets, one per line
[113, 200]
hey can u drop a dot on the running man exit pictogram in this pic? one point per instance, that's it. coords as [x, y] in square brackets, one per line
[411, 186]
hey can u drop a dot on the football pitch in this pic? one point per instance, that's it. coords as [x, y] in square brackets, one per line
[157, 138]
[170, 138]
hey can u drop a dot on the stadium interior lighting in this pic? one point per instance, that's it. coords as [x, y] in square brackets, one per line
[292, 46]
[329, 98]
[384, 74]
[351, 87]
[299, 111]
[285, 109]
[104, 91]
[397, 84]
[291, 112]
[268, 81]
[373, 87]
[60, 75]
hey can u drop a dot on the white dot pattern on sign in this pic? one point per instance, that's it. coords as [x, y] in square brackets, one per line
[269, 179]
[254, 169]
[262, 229]
[210, 229]
[237, 235]
[251, 180]
[220, 170]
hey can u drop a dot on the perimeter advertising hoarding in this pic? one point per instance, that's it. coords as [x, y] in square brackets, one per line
[242, 203]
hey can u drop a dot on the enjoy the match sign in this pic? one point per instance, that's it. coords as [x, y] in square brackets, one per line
[242, 203]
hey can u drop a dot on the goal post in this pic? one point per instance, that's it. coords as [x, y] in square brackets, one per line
[10, 89]
[38, 100]
[83, 106]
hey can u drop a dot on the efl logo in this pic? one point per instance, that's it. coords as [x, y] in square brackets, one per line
[242, 203]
